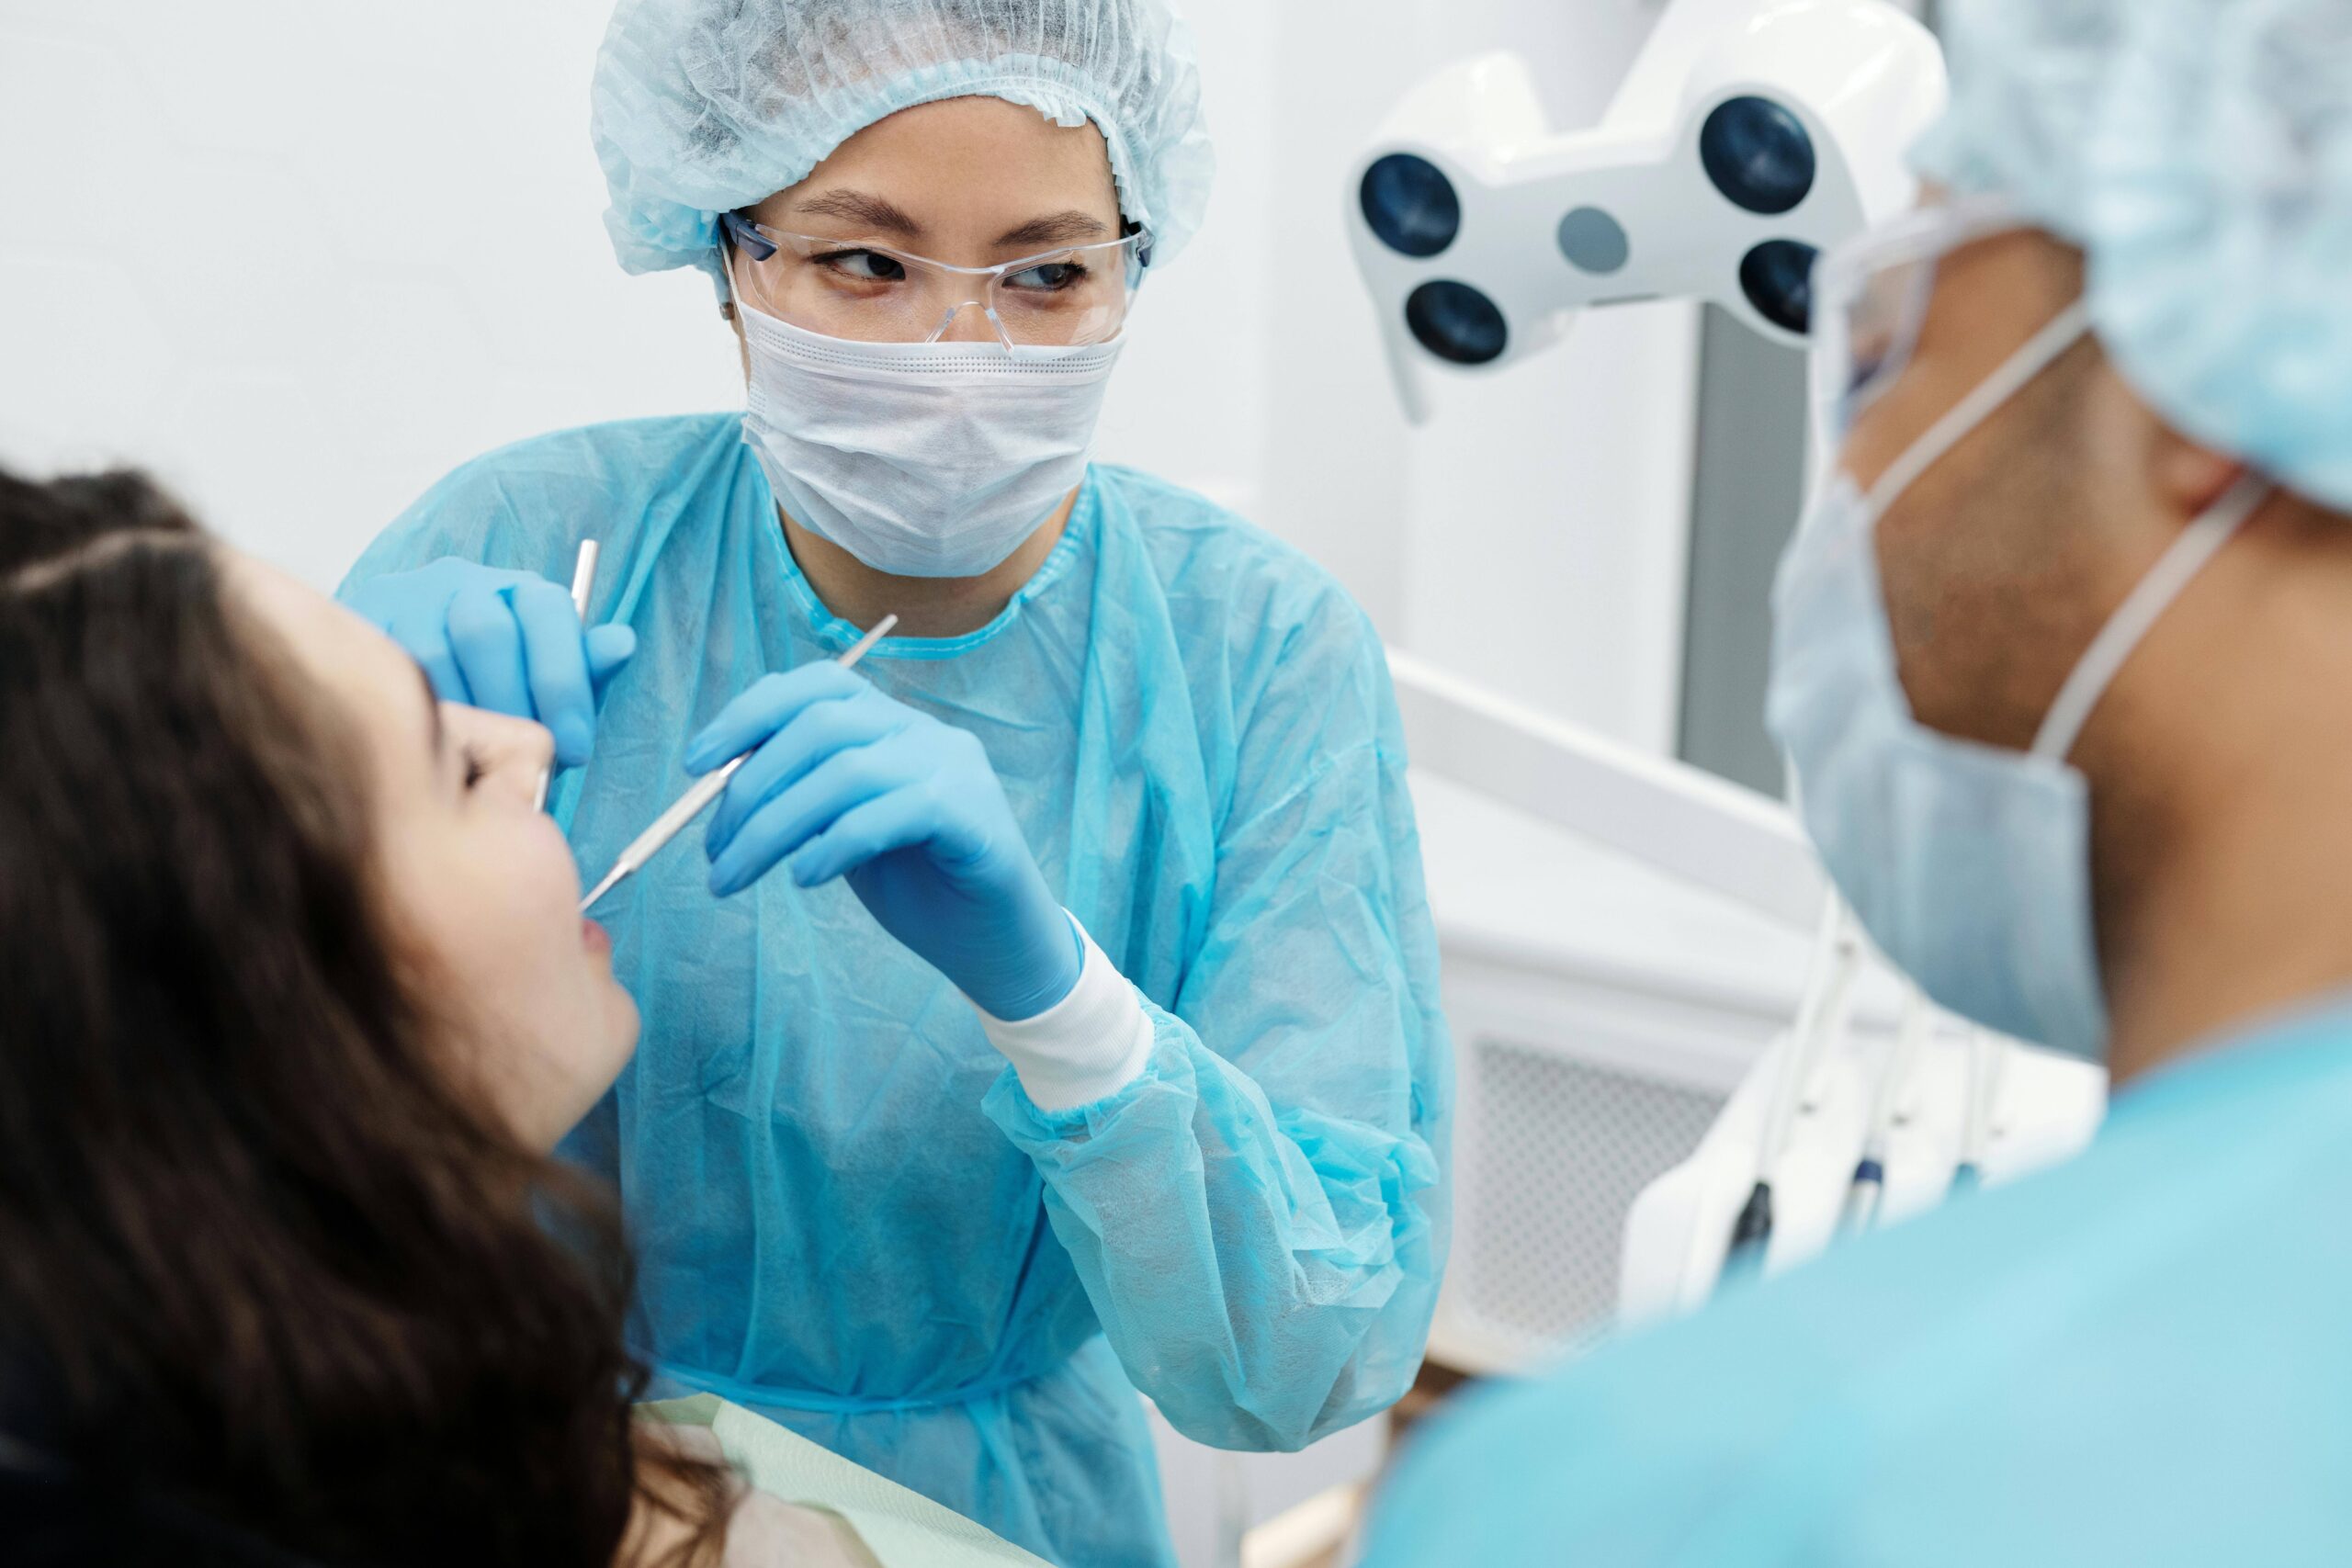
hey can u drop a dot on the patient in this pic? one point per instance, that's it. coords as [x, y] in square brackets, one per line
[294, 1001]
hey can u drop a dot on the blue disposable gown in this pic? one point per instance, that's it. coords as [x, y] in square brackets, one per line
[2140, 1357]
[850, 1217]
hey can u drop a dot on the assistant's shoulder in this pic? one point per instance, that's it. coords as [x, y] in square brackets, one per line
[1260, 602]
[2037, 1323]
[1200, 548]
[527, 505]
[1628, 1455]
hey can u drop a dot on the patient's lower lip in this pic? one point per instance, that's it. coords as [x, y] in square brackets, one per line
[593, 935]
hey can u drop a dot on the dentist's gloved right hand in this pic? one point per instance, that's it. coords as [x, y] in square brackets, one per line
[503, 640]
[847, 782]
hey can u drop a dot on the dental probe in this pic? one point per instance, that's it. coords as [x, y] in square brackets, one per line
[584, 578]
[706, 789]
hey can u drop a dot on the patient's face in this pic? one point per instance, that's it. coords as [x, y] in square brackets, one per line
[479, 884]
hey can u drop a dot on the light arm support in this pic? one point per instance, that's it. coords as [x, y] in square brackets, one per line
[1666, 814]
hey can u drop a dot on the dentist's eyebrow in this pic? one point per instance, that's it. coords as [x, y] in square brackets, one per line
[856, 207]
[1060, 229]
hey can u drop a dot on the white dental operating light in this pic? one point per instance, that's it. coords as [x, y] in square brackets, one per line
[1750, 136]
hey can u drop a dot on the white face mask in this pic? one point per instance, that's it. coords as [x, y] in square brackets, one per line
[921, 459]
[1970, 865]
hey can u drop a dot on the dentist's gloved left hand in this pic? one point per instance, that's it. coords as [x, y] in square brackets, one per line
[847, 782]
[508, 641]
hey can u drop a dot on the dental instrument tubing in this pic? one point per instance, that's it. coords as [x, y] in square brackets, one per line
[707, 789]
[1868, 1190]
[584, 579]
[1820, 1017]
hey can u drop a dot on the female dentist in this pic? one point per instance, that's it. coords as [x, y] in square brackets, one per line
[1057, 1009]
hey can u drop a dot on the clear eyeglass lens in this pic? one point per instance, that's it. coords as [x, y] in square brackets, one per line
[1881, 329]
[1884, 290]
[872, 294]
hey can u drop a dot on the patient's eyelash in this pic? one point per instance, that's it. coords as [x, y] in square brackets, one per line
[476, 769]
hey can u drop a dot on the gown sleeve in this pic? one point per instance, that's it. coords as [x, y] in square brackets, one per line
[1259, 1215]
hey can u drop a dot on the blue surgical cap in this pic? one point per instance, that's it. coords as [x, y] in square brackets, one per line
[2200, 152]
[702, 106]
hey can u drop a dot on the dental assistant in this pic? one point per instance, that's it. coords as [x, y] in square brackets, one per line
[1052, 1012]
[2062, 662]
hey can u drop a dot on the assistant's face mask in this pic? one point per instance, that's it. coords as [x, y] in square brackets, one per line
[921, 459]
[1970, 865]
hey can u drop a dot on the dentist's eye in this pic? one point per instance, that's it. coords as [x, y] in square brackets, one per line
[861, 266]
[1051, 277]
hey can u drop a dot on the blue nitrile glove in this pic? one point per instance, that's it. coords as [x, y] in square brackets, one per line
[848, 782]
[503, 640]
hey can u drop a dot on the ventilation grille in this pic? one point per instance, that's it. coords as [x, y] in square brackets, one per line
[1562, 1150]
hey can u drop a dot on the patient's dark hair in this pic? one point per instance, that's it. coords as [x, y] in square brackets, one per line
[271, 1289]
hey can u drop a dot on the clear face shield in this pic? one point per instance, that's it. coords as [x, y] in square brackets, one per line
[869, 292]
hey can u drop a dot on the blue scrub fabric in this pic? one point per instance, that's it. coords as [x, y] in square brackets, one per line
[850, 1217]
[2140, 1358]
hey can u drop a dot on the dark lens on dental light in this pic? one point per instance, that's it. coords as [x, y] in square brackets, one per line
[1776, 277]
[1456, 322]
[1410, 205]
[1758, 155]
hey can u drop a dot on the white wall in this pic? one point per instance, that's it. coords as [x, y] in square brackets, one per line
[1549, 511]
[303, 258]
[1533, 535]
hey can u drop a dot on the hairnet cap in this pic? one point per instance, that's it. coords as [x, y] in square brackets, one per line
[702, 106]
[2199, 152]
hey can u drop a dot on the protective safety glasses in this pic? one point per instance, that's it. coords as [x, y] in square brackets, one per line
[872, 293]
[1869, 301]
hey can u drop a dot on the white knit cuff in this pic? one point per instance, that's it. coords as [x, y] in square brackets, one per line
[1089, 1046]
